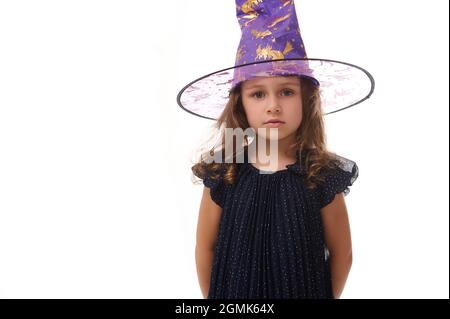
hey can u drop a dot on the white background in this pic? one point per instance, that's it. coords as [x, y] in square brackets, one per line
[96, 198]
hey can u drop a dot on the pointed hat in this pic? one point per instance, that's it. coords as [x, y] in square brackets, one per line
[271, 45]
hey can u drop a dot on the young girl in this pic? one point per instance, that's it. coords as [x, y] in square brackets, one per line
[282, 233]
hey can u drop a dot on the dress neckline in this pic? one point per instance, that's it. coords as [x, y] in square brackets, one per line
[266, 172]
[293, 167]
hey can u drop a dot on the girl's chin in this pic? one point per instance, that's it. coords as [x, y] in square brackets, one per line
[273, 138]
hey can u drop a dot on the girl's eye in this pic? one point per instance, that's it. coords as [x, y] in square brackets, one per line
[258, 94]
[289, 91]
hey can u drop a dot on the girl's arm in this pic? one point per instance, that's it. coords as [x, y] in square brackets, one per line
[207, 229]
[338, 241]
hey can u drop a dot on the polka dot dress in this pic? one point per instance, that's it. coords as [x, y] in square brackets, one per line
[270, 241]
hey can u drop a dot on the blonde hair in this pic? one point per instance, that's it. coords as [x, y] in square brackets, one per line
[310, 138]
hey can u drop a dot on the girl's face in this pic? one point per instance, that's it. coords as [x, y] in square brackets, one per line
[268, 98]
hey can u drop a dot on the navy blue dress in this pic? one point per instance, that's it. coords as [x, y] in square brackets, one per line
[270, 241]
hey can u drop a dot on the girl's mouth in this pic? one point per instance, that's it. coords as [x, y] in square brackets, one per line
[274, 124]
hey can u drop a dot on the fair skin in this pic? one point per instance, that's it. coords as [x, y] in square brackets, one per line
[263, 99]
[207, 230]
[279, 98]
[338, 241]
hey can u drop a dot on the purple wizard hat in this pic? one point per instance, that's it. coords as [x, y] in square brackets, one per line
[271, 45]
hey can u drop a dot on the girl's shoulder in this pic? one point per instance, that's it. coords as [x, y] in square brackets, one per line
[337, 180]
[213, 177]
[342, 166]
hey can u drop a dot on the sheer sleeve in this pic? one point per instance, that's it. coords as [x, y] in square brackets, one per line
[338, 181]
[216, 185]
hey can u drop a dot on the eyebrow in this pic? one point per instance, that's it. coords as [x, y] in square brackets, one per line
[281, 84]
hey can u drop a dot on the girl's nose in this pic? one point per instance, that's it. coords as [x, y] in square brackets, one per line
[274, 104]
[274, 110]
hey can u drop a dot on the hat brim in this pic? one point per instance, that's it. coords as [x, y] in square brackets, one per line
[342, 85]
